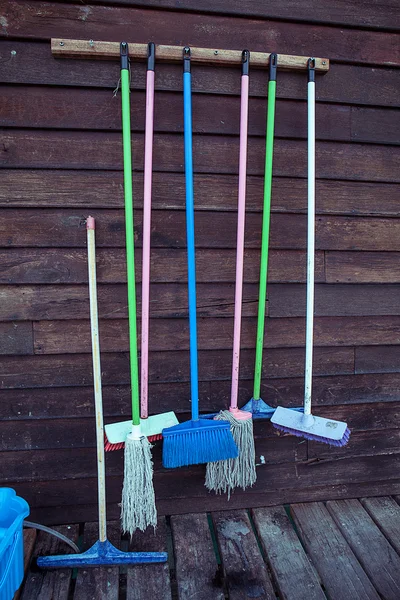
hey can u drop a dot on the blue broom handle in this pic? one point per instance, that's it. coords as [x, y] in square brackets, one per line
[187, 120]
[310, 236]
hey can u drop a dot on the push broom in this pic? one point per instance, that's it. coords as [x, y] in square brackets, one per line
[225, 475]
[102, 553]
[151, 426]
[335, 433]
[198, 440]
[138, 508]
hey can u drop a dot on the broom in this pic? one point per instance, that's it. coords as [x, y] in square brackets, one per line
[138, 508]
[256, 406]
[198, 440]
[115, 433]
[225, 475]
[335, 433]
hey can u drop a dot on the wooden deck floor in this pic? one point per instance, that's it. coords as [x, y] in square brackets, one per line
[340, 550]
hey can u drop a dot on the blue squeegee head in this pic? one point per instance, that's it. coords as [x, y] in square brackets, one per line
[101, 554]
[197, 442]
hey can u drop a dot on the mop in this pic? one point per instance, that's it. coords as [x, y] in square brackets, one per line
[256, 406]
[307, 425]
[102, 552]
[152, 426]
[198, 440]
[138, 508]
[225, 475]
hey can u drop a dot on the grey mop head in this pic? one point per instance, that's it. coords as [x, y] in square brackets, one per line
[138, 509]
[225, 475]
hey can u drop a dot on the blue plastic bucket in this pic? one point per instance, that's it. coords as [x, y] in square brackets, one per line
[13, 511]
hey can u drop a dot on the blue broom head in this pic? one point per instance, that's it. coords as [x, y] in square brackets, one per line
[198, 442]
[310, 427]
[261, 410]
[101, 554]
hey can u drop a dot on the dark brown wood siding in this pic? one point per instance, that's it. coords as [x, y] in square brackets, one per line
[61, 159]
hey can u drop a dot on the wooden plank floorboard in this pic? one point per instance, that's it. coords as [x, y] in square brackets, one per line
[376, 555]
[29, 544]
[98, 583]
[51, 584]
[153, 580]
[341, 573]
[346, 549]
[197, 572]
[386, 514]
[245, 573]
[295, 577]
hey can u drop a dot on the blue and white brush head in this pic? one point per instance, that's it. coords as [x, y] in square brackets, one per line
[198, 442]
[319, 429]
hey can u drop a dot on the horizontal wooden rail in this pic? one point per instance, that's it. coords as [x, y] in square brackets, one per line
[110, 50]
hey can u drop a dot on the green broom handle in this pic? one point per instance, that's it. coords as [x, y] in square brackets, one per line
[130, 258]
[265, 226]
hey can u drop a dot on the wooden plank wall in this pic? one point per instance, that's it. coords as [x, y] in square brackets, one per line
[60, 155]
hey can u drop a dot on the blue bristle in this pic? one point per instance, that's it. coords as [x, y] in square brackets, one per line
[197, 442]
[315, 438]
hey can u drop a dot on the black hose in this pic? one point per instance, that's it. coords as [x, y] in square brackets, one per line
[57, 534]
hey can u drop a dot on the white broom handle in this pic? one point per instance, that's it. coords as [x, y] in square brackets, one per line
[98, 400]
[310, 247]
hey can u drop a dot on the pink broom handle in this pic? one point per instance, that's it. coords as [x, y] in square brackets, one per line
[244, 111]
[148, 167]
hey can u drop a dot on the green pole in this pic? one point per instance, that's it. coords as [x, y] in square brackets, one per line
[130, 258]
[262, 297]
